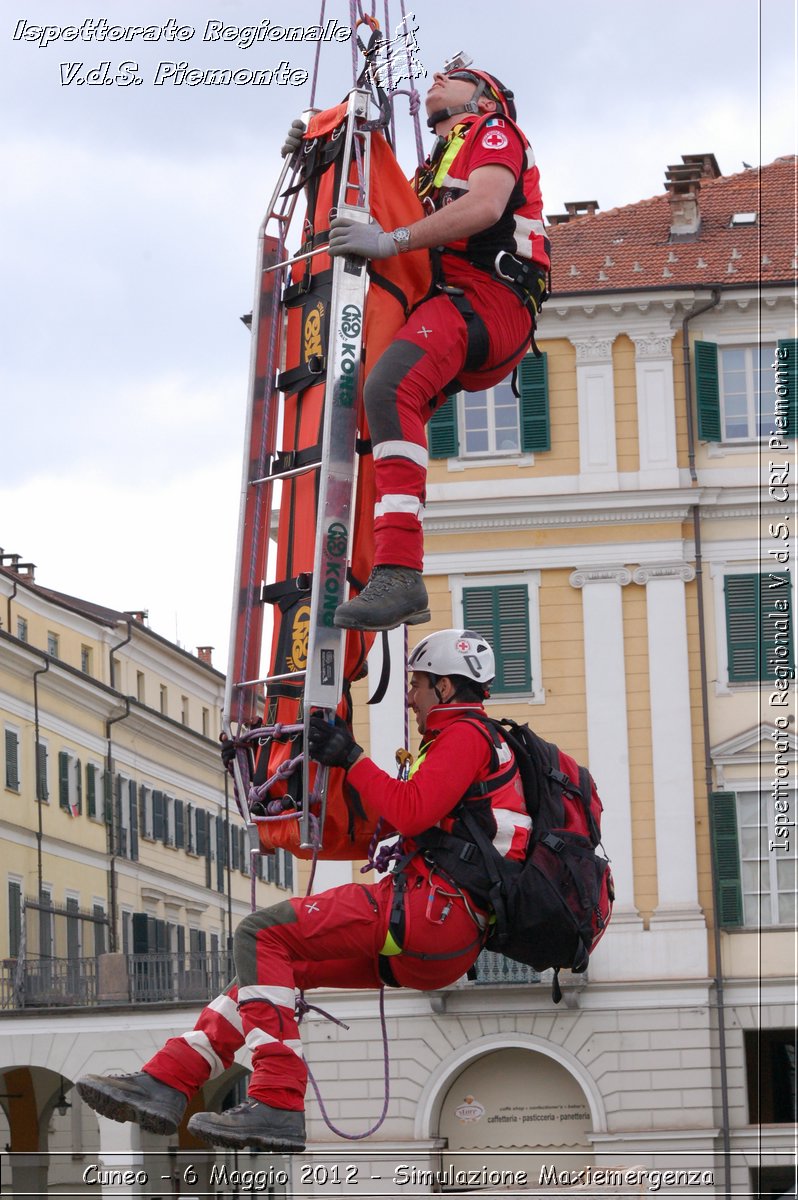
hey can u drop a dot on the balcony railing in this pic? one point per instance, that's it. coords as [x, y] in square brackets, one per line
[159, 978]
[495, 968]
[48, 982]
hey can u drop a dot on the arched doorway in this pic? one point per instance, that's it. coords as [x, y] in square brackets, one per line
[513, 1110]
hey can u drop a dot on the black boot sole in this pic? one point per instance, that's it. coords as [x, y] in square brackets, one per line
[417, 618]
[115, 1105]
[239, 1140]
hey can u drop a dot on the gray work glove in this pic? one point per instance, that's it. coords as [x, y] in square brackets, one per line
[366, 241]
[293, 139]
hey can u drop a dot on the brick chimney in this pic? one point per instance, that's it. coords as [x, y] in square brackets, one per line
[574, 208]
[11, 562]
[683, 184]
[205, 655]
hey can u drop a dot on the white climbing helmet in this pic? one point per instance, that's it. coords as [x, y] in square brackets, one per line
[454, 652]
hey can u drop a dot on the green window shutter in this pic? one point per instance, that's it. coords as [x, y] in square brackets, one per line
[501, 616]
[221, 857]
[42, 792]
[121, 832]
[442, 431]
[202, 834]
[754, 627]
[726, 857]
[79, 786]
[787, 377]
[108, 780]
[707, 391]
[14, 918]
[158, 816]
[12, 760]
[143, 829]
[91, 789]
[63, 779]
[533, 384]
[180, 825]
[133, 814]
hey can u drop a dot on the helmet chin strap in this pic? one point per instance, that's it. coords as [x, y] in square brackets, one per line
[471, 106]
[443, 114]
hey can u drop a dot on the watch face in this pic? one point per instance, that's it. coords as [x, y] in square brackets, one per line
[402, 237]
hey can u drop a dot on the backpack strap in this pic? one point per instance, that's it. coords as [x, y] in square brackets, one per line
[586, 791]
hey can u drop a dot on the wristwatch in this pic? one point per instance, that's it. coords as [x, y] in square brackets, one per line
[402, 238]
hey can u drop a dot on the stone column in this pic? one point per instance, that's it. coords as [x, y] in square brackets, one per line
[598, 463]
[671, 738]
[607, 729]
[656, 412]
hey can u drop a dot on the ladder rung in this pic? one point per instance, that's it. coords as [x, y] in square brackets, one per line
[271, 679]
[312, 466]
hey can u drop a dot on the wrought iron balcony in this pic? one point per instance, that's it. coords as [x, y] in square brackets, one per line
[495, 968]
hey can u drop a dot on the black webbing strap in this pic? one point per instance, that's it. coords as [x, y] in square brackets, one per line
[297, 293]
[289, 460]
[284, 594]
[385, 673]
[307, 373]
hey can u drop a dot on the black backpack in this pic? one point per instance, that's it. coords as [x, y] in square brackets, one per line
[551, 909]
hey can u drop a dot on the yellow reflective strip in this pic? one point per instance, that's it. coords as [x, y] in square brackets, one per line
[457, 137]
[390, 946]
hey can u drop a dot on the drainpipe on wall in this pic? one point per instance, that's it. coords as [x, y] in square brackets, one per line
[36, 674]
[702, 654]
[109, 766]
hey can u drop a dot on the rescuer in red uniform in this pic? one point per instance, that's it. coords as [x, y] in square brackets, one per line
[415, 927]
[491, 258]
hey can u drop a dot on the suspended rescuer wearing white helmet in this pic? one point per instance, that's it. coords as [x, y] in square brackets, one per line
[418, 926]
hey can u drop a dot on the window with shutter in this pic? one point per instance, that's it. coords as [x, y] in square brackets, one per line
[758, 627]
[442, 437]
[707, 388]
[158, 816]
[91, 790]
[14, 917]
[12, 760]
[202, 833]
[180, 824]
[107, 795]
[735, 397]
[133, 819]
[63, 779]
[726, 856]
[533, 384]
[42, 788]
[501, 615]
[221, 858]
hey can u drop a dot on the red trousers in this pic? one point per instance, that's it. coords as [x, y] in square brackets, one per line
[407, 384]
[332, 939]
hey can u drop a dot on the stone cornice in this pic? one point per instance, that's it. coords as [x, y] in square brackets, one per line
[477, 523]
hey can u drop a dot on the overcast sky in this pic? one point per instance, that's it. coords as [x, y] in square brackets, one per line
[129, 216]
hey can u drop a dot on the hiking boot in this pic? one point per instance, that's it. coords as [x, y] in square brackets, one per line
[393, 596]
[254, 1124]
[138, 1097]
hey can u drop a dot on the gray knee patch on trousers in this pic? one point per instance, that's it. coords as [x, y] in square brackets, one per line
[245, 937]
[379, 395]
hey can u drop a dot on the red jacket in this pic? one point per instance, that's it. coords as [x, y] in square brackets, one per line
[456, 754]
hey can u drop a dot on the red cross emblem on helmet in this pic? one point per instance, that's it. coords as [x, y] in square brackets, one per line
[462, 645]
